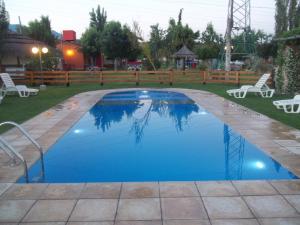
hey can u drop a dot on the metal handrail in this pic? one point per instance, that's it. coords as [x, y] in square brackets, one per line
[26, 134]
[10, 151]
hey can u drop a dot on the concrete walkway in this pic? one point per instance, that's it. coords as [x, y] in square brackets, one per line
[167, 203]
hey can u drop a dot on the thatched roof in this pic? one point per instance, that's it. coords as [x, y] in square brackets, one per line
[184, 52]
[18, 44]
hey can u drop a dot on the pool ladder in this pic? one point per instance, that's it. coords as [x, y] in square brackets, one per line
[13, 154]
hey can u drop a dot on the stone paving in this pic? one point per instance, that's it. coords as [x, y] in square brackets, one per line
[152, 203]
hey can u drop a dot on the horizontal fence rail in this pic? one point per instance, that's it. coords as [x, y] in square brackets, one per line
[136, 77]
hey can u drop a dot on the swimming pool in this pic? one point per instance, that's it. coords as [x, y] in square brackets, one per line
[153, 136]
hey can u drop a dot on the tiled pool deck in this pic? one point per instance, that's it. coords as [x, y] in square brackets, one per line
[163, 203]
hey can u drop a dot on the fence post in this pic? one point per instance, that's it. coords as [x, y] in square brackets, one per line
[204, 76]
[67, 80]
[171, 77]
[101, 78]
[137, 78]
[237, 78]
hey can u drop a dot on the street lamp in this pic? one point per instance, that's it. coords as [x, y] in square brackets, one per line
[39, 50]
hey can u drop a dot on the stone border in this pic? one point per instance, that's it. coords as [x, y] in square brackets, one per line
[276, 139]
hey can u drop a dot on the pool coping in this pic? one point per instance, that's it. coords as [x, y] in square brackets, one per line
[274, 138]
[203, 198]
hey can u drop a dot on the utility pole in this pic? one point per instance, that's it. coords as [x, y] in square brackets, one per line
[238, 22]
[20, 26]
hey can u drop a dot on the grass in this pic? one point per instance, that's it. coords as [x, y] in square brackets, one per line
[14, 108]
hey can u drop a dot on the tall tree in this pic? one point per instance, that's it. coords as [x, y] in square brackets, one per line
[156, 42]
[281, 17]
[297, 20]
[178, 35]
[4, 20]
[91, 39]
[98, 18]
[292, 14]
[41, 30]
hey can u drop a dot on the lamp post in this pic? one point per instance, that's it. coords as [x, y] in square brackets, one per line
[39, 50]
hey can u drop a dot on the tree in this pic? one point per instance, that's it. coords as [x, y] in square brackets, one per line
[4, 19]
[4, 22]
[210, 43]
[98, 18]
[292, 14]
[134, 49]
[41, 30]
[116, 43]
[156, 42]
[91, 43]
[281, 17]
[178, 35]
[91, 39]
[297, 20]
[145, 48]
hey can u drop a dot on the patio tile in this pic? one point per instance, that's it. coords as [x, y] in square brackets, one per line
[9, 223]
[178, 189]
[50, 211]
[139, 209]
[101, 190]
[24, 191]
[186, 222]
[46, 223]
[270, 206]
[138, 223]
[14, 210]
[216, 188]
[288, 143]
[226, 208]
[254, 188]
[183, 208]
[295, 150]
[90, 223]
[4, 187]
[294, 200]
[280, 221]
[62, 191]
[287, 187]
[140, 190]
[235, 222]
[94, 210]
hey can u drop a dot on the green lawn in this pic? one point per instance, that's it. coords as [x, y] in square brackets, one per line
[18, 109]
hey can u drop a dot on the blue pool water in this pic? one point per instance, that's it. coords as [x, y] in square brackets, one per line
[153, 136]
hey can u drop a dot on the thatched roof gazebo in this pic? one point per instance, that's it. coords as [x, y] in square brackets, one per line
[16, 49]
[183, 55]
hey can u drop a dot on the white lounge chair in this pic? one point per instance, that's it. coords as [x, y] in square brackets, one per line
[10, 87]
[289, 105]
[260, 87]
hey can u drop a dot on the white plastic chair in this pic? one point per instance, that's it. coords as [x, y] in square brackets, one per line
[10, 87]
[289, 105]
[260, 87]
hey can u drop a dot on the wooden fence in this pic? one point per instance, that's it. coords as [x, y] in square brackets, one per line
[137, 77]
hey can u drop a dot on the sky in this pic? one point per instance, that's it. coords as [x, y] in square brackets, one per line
[74, 14]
